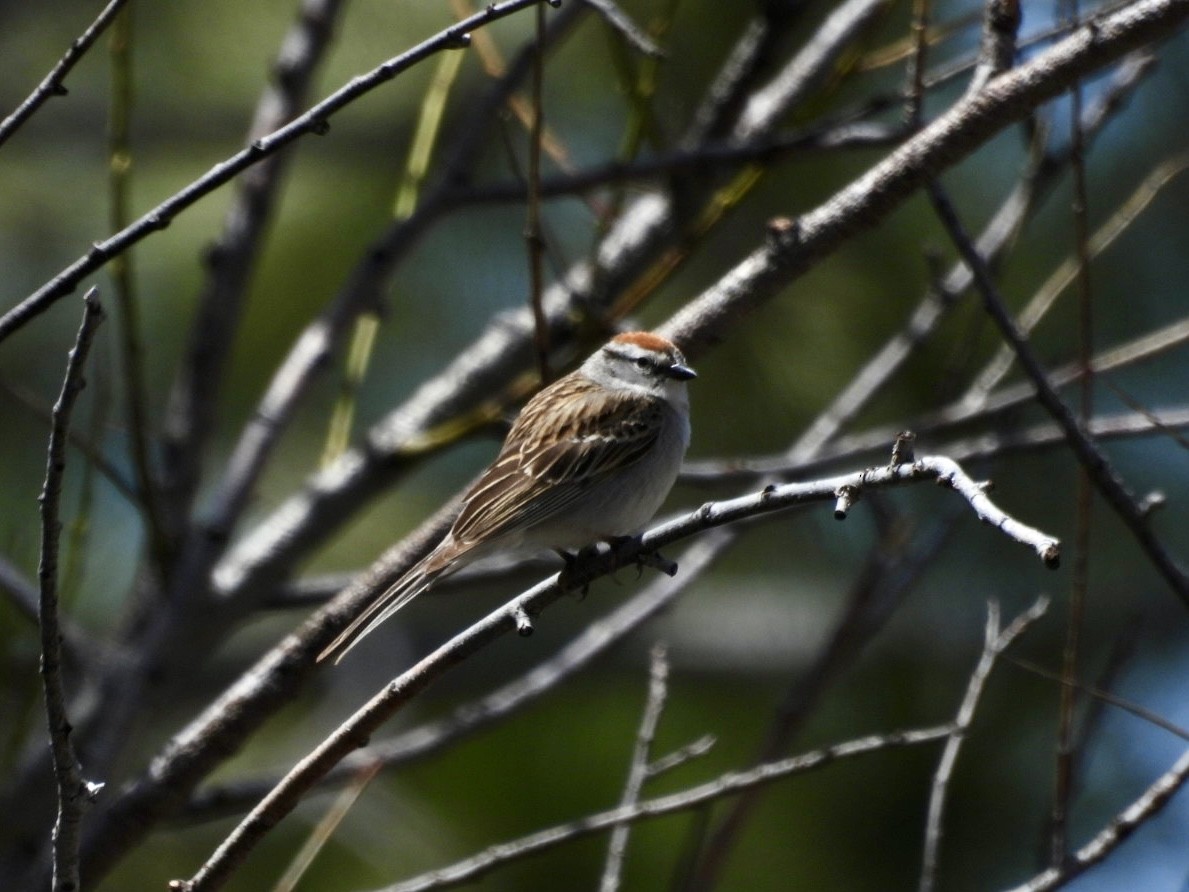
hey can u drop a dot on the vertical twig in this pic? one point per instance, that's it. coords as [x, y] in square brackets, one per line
[994, 643]
[997, 49]
[73, 789]
[638, 772]
[124, 284]
[1084, 503]
[363, 339]
[915, 88]
[532, 228]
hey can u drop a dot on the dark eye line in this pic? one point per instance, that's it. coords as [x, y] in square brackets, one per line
[641, 362]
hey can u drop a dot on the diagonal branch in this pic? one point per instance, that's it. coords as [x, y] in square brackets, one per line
[425, 740]
[314, 120]
[695, 797]
[1092, 458]
[190, 414]
[1116, 832]
[51, 85]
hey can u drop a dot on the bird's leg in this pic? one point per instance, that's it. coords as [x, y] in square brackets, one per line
[572, 561]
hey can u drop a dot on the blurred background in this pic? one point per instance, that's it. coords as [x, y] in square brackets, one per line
[746, 636]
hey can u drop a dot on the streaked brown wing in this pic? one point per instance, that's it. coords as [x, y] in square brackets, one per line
[546, 462]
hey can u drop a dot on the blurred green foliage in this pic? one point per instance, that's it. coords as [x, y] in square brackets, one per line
[743, 634]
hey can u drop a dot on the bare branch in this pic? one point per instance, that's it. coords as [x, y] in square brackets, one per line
[74, 791]
[1116, 832]
[314, 120]
[51, 85]
[623, 25]
[995, 642]
[1001, 21]
[727, 785]
[638, 771]
[1098, 693]
[1092, 458]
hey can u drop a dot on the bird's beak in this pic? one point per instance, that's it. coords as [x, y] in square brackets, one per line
[680, 372]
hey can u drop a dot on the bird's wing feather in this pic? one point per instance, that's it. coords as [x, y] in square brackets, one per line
[547, 462]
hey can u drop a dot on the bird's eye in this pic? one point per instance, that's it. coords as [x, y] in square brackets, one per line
[643, 364]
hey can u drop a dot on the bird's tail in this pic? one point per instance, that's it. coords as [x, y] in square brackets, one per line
[419, 577]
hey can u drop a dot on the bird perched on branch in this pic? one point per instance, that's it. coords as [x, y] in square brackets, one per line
[591, 457]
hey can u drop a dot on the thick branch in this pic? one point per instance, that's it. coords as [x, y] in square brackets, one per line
[795, 246]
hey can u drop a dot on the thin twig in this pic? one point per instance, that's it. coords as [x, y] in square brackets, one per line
[915, 89]
[638, 771]
[325, 827]
[995, 642]
[1079, 583]
[1104, 476]
[533, 236]
[367, 326]
[845, 134]
[1116, 832]
[124, 291]
[1099, 693]
[94, 456]
[726, 785]
[623, 25]
[25, 596]
[51, 85]
[693, 750]
[74, 791]
[1046, 295]
[997, 50]
[314, 120]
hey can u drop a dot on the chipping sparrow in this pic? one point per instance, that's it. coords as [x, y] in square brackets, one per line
[591, 457]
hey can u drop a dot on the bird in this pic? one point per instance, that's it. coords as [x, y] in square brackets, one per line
[590, 458]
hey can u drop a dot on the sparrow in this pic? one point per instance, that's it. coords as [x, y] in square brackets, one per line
[590, 458]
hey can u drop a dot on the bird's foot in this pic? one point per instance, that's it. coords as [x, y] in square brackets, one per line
[642, 559]
[570, 570]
